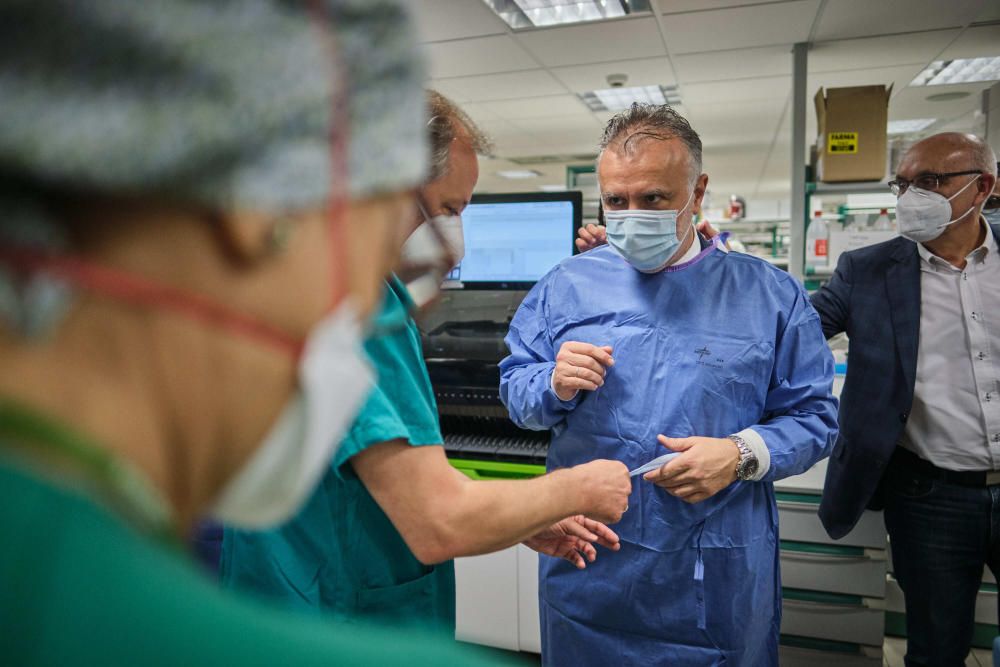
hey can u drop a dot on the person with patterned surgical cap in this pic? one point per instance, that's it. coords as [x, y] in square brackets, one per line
[198, 205]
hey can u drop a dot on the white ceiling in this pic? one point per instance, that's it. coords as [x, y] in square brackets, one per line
[730, 58]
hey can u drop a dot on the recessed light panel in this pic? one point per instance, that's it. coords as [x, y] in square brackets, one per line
[964, 70]
[540, 13]
[617, 99]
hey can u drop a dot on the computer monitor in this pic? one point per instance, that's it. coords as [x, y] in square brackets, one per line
[512, 240]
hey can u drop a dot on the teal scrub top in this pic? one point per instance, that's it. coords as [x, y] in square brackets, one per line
[341, 554]
[84, 585]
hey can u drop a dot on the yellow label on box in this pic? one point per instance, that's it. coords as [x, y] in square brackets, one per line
[842, 142]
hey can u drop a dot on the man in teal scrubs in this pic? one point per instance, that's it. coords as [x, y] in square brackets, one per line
[341, 552]
[376, 539]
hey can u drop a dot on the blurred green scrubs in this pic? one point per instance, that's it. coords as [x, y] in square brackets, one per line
[89, 578]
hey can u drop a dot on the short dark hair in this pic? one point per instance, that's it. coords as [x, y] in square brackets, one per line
[448, 122]
[652, 121]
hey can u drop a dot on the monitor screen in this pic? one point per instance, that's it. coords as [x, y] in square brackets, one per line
[512, 240]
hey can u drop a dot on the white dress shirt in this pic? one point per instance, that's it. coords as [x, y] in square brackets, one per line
[955, 419]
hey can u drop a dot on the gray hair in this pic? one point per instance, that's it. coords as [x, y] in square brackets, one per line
[447, 123]
[652, 121]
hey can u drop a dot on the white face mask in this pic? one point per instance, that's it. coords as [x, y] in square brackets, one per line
[334, 379]
[423, 248]
[924, 215]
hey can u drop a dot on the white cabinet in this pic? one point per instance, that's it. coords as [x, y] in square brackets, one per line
[486, 600]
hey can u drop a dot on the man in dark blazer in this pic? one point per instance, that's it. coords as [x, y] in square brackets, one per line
[920, 408]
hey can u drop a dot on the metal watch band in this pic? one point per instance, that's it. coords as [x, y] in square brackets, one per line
[746, 454]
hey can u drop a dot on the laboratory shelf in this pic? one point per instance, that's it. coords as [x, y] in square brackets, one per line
[847, 188]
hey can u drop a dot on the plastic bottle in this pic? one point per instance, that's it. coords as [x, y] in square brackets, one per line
[817, 240]
[856, 222]
[883, 223]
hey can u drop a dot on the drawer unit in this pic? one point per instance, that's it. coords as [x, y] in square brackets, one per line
[486, 599]
[839, 618]
[850, 570]
[799, 522]
[801, 652]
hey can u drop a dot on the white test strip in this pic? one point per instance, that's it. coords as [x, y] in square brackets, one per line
[654, 464]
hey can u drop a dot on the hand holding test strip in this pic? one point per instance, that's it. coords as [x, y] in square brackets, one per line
[655, 464]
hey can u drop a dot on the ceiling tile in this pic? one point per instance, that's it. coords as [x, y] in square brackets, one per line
[913, 102]
[975, 42]
[507, 86]
[884, 51]
[480, 55]
[740, 27]
[738, 114]
[734, 64]
[739, 90]
[623, 39]
[990, 12]
[754, 134]
[676, 6]
[644, 72]
[843, 19]
[439, 20]
[534, 107]
[579, 123]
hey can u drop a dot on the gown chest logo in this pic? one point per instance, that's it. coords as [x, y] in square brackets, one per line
[707, 358]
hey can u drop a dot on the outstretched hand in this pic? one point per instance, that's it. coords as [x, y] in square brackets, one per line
[573, 539]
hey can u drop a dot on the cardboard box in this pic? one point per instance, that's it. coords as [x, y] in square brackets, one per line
[851, 123]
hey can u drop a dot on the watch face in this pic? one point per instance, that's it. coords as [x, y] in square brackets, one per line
[748, 468]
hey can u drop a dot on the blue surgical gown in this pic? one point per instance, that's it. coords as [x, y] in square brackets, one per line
[726, 343]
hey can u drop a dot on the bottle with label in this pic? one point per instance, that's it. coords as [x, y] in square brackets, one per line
[817, 240]
[883, 223]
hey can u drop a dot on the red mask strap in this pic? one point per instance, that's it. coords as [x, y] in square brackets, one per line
[135, 289]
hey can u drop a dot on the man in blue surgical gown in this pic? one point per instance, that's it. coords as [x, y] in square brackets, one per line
[719, 354]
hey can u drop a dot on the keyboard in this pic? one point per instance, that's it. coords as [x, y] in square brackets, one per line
[511, 449]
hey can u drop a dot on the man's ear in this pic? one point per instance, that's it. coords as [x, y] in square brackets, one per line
[987, 182]
[249, 237]
[700, 187]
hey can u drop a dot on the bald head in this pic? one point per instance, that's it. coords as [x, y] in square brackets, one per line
[951, 151]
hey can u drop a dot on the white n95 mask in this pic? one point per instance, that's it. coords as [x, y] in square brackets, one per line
[334, 380]
[924, 215]
[646, 239]
[434, 248]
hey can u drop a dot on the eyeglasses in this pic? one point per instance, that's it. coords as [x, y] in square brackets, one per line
[992, 203]
[928, 181]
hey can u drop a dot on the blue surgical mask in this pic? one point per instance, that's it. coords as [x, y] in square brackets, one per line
[646, 239]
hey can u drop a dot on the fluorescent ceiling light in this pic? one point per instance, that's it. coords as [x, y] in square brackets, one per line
[966, 70]
[538, 13]
[519, 173]
[911, 125]
[617, 99]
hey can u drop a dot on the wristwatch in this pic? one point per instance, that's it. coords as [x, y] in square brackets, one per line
[746, 467]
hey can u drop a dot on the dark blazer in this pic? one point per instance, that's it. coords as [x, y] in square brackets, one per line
[874, 296]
